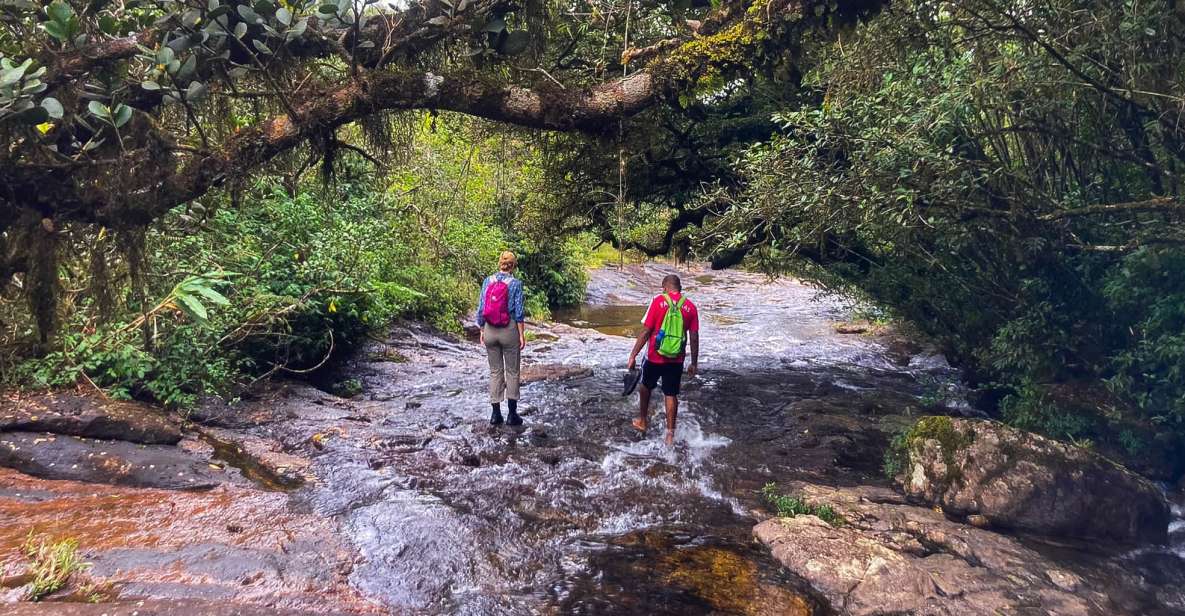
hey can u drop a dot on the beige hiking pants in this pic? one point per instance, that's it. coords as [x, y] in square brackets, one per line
[503, 353]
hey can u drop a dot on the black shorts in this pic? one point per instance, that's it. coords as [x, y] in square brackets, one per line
[671, 375]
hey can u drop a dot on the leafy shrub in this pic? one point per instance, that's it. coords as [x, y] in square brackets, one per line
[791, 506]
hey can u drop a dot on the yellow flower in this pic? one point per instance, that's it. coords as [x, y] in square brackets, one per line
[332, 306]
[44, 127]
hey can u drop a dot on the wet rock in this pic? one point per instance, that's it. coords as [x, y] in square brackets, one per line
[88, 416]
[855, 327]
[553, 372]
[111, 462]
[1024, 481]
[258, 460]
[891, 557]
[978, 521]
[160, 607]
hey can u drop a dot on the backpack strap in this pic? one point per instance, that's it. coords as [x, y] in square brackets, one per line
[670, 302]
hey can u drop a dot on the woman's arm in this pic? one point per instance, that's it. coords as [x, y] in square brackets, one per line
[481, 301]
[517, 311]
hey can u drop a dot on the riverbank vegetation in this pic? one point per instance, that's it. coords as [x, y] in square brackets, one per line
[283, 280]
[1009, 181]
[199, 195]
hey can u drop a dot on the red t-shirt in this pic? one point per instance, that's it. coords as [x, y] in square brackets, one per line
[653, 321]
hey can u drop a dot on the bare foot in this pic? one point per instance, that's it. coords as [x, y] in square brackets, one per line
[640, 425]
[670, 440]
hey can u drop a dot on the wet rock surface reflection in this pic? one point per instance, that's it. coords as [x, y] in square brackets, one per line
[574, 512]
[404, 500]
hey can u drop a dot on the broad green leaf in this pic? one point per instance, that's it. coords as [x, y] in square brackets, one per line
[15, 73]
[53, 107]
[108, 25]
[56, 30]
[191, 306]
[248, 15]
[150, 85]
[297, 30]
[240, 30]
[99, 110]
[60, 12]
[284, 16]
[123, 113]
[214, 296]
[164, 55]
[195, 92]
[261, 47]
[187, 68]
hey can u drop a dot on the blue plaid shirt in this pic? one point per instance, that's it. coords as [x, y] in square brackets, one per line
[516, 297]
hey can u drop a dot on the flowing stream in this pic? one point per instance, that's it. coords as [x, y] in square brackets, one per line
[404, 500]
[574, 513]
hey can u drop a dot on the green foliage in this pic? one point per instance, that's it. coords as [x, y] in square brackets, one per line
[553, 275]
[1032, 408]
[896, 460]
[934, 428]
[958, 165]
[293, 280]
[51, 564]
[791, 506]
[1147, 288]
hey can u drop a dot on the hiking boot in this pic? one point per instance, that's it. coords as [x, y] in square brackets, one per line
[512, 418]
[496, 417]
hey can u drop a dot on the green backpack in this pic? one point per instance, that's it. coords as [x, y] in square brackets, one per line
[671, 337]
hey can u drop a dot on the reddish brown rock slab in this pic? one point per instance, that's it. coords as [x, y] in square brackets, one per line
[231, 548]
[87, 416]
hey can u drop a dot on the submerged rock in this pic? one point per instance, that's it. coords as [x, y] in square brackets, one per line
[88, 416]
[553, 372]
[1025, 481]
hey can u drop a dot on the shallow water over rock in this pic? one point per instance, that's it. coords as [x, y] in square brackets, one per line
[575, 512]
[408, 493]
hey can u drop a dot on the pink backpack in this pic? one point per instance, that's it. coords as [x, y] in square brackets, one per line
[496, 307]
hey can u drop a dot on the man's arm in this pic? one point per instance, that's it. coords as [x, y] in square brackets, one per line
[693, 338]
[643, 336]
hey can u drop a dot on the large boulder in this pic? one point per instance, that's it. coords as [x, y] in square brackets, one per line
[888, 556]
[89, 417]
[1024, 481]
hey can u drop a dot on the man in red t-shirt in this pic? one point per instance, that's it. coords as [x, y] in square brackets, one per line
[668, 369]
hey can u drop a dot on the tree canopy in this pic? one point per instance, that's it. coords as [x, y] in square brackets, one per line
[1006, 175]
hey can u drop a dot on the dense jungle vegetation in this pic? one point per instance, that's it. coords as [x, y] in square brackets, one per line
[199, 194]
